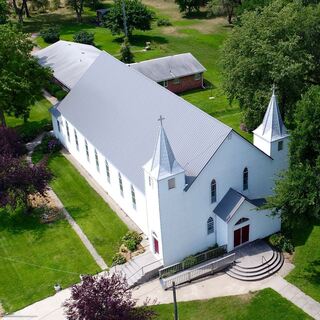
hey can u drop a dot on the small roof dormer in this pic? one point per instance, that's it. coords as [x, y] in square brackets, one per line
[163, 162]
[272, 127]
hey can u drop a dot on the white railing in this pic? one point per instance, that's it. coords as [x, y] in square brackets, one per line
[199, 272]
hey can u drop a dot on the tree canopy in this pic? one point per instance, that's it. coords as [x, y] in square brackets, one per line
[138, 16]
[21, 77]
[125, 51]
[4, 11]
[189, 6]
[10, 142]
[102, 298]
[297, 194]
[273, 45]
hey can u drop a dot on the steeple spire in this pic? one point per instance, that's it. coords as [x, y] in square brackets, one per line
[163, 162]
[272, 127]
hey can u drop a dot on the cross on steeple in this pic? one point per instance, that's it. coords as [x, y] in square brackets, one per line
[273, 88]
[161, 119]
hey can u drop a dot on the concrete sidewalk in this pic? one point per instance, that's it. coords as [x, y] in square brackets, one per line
[218, 285]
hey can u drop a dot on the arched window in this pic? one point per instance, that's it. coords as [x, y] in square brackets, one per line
[245, 178]
[210, 225]
[133, 197]
[242, 220]
[213, 191]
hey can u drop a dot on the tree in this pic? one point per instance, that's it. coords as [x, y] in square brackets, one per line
[4, 11]
[20, 11]
[297, 194]
[50, 34]
[10, 142]
[223, 8]
[138, 16]
[104, 298]
[188, 6]
[125, 51]
[19, 180]
[272, 46]
[21, 76]
[77, 6]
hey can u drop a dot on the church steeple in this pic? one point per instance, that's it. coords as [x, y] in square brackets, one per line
[271, 136]
[163, 162]
[272, 127]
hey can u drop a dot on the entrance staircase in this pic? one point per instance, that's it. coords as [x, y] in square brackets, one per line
[267, 267]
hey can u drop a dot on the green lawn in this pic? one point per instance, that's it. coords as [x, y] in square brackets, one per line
[35, 256]
[39, 119]
[202, 37]
[306, 274]
[264, 305]
[100, 224]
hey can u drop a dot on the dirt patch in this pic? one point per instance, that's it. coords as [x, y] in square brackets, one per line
[208, 26]
[173, 31]
[167, 7]
[247, 297]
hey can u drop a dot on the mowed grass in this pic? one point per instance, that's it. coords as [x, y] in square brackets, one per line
[100, 224]
[35, 256]
[202, 37]
[264, 305]
[306, 274]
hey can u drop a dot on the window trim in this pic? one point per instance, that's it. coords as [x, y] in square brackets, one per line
[176, 80]
[210, 225]
[213, 191]
[87, 149]
[58, 125]
[245, 179]
[197, 76]
[280, 145]
[96, 157]
[76, 139]
[171, 183]
[133, 198]
[68, 132]
[120, 183]
[107, 169]
[165, 83]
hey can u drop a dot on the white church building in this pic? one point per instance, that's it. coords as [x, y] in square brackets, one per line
[188, 180]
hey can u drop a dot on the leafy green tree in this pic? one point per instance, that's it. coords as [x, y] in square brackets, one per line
[21, 77]
[138, 16]
[50, 34]
[77, 6]
[276, 46]
[125, 51]
[189, 6]
[4, 11]
[223, 8]
[297, 194]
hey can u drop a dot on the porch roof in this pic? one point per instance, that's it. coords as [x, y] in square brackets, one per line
[231, 202]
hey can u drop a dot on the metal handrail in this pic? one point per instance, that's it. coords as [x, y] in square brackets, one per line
[142, 268]
[201, 271]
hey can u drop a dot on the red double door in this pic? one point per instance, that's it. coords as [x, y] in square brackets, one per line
[241, 236]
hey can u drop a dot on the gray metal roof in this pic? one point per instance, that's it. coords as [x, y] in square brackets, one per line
[163, 162]
[272, 127]
[167, 68]
[68, 60]
[117, 112]
[231, 202]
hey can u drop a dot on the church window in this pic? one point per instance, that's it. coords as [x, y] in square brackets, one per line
[165, 83]
[197, 76]
[120, 184]
[107, 170]
[171, 183]
[210, 225]
[133, 196]
[213, 191]
[97, 159]
[68, 133]
[176, 80]
[242, 220]
[58, 125]
[280, 145]
[76, 139]
[245, 179]
[87, 150]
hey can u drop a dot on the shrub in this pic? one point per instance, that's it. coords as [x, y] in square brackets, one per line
[163, 22]
[132, 235]
[280, 242]
[84, 37]
[189, 261]
[130, 244]
[118, 258]
[30, 130]
[50, 34]
[48, 145]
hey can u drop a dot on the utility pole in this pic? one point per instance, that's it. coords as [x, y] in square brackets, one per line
[124, 18]
[176, 317]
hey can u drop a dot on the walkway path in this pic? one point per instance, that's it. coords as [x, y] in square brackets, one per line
[53, 100]
[215, 286]
[98, 259]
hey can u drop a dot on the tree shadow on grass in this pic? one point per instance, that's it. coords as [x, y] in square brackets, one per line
[312, 273]
[140, 40]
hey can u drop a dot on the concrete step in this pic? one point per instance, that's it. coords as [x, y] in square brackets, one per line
[245, 274]
[262, 266]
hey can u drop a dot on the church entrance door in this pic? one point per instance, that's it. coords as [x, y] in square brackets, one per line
[241, 235]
